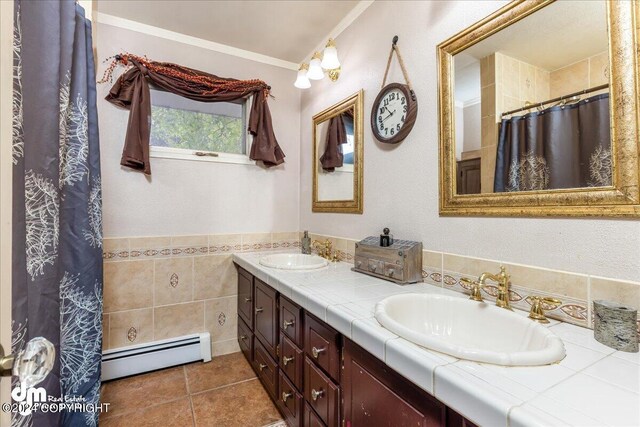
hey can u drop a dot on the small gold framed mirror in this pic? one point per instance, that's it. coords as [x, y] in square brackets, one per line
[539, 116]
[338, 157]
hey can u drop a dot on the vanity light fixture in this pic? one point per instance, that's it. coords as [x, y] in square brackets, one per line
[302, 81]
[321, 63]
[330, 56]
[315, 69]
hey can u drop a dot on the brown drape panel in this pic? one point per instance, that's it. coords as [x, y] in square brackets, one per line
[131, 91]
[560, 147]
[336, 136]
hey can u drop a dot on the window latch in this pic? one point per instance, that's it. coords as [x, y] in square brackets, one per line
[205, 153]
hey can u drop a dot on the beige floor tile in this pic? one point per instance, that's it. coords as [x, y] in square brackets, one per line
[171, 414]
[141, 391]
[219, 408]
[221, 371]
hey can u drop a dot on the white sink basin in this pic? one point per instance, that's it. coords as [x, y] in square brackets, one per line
[469, 330]
[294, 261]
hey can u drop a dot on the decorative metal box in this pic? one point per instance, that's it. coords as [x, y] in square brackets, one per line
[400, 263]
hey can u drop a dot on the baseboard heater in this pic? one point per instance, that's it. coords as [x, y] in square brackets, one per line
[122, 362]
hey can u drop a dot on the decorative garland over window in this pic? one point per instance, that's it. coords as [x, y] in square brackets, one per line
[131, 91]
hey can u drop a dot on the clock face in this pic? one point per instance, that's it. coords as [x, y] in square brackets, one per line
[391, 113]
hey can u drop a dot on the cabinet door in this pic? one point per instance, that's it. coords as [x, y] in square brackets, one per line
[290, 402]
[245, 297]
[374, 395]
[267, 370]
[311, 419]
[266, 316]
[322, 345]
[321, 394]
[245, 340]
[291, 321]
[291, 361]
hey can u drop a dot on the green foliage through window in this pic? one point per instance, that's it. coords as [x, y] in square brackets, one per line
[193, 130]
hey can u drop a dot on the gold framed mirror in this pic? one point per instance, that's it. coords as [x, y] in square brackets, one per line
[338, 157]
[538, 112]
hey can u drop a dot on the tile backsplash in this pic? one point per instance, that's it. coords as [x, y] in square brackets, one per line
[164, 287]
[575, 291]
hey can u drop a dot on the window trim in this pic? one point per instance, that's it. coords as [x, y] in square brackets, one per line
[173, 153]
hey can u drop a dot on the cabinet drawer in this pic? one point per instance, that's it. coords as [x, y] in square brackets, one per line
[266, 368]
[321, 393]
[291, 321]
[322, 345]
[393, 271]
[311, 419]
[266, 316]
[290, 402]
[245, 297]
[245, 339]
[291, 361]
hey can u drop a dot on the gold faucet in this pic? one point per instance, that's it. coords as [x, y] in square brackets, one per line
[325, 250]
[502, 279]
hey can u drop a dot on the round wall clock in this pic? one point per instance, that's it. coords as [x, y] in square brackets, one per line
[394, 113]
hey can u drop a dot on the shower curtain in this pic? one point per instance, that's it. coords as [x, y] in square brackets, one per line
[57, 218]
[560, 147]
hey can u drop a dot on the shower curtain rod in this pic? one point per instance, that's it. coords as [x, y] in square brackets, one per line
[560, 98]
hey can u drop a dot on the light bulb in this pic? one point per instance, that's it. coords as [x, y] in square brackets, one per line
[315, 69]
[302, 81]
[330, 56]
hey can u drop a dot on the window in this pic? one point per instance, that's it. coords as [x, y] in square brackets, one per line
[186, 129]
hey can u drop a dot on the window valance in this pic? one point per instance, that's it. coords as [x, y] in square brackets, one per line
[131, 91]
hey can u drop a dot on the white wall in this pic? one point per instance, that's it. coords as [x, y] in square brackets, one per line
[401, 182]
[191, 197]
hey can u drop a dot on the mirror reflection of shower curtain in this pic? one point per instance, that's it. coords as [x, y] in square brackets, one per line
[560, 147]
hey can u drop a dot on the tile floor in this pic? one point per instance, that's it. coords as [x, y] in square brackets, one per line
[224, 392]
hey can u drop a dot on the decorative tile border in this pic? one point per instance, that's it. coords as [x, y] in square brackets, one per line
[571, 310]
[122, 249]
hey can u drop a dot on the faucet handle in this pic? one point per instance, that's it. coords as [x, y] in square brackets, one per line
[537, 308]
[476, 295]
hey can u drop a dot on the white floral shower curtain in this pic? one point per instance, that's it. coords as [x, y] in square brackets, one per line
[57, 212]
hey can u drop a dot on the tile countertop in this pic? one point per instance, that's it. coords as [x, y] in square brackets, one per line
[593, 386]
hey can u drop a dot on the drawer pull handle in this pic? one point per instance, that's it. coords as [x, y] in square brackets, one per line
[316, 351]
[286, 360]
[315, 394]
[287, 323]
[247, 300]
[261, 366]
[243, 337]
[259, 310]
[285, 396]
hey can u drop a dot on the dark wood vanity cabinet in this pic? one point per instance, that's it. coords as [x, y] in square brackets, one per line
[318, 378]
[245, 297]
[266, 316]
[374, 395]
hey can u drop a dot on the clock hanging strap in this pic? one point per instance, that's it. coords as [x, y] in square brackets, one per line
[394, 48]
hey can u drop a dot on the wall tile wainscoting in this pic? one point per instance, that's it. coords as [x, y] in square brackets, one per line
[165, 287]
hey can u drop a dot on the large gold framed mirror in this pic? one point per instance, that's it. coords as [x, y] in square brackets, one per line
[338, 157]
[538, 108]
